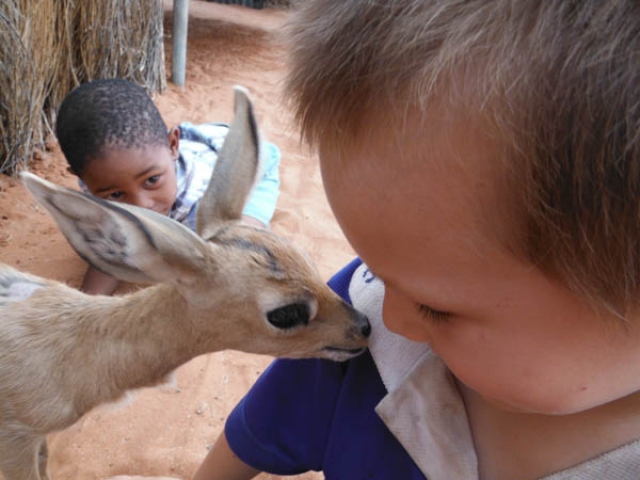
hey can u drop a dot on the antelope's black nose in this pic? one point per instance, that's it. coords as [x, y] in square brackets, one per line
[366, 328]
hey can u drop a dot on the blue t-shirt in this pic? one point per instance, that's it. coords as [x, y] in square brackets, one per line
[304, 415]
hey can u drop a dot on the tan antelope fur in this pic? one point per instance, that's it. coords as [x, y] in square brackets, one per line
[232, 286]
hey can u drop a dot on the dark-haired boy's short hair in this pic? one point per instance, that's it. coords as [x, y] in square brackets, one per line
[113, 113]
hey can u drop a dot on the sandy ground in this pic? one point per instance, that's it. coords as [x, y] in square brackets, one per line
[167, 431]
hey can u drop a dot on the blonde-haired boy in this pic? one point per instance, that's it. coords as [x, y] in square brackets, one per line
[483, 159]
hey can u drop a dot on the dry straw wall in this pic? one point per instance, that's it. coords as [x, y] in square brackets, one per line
[48, 47]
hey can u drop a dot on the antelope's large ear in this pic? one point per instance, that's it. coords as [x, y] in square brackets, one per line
[129, 243]
[235, 172]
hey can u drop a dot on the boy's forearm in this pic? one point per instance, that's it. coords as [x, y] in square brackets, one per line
[222, 464]
[97, 283]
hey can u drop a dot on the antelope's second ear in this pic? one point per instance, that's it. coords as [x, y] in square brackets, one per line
[235, 172]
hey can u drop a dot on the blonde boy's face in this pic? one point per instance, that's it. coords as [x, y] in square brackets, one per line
[143, 176]
[426, 213]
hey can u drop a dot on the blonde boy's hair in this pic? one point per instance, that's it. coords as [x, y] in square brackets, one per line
[558, 80]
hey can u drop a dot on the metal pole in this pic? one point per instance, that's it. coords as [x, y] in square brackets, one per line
[180, 25]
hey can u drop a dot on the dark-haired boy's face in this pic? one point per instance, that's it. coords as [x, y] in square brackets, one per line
[144, 177]
[425, 211]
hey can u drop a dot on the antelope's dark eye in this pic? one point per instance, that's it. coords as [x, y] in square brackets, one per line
[289, 316]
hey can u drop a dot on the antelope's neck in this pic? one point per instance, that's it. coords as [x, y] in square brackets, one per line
[140, 338]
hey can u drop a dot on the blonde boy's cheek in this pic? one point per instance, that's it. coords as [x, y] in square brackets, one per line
[505, 380]
[475, 356]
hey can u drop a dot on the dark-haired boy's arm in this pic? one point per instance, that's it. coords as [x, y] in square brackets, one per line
[96, 282]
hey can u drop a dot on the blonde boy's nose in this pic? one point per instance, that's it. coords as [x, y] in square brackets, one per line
[392, 307]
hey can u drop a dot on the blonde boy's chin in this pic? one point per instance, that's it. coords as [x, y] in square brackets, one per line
[554, 405]
[555, 410]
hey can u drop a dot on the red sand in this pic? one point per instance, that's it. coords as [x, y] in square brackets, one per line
[164, 431]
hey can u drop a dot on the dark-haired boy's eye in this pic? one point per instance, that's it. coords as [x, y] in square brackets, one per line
[153, 180]
[115, 195]
[432, 314]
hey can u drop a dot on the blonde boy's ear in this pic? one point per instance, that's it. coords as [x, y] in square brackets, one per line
[173, 137]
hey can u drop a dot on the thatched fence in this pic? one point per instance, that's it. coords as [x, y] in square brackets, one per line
[48, 47]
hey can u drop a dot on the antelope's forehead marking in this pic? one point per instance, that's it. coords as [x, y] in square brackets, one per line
[247, 245]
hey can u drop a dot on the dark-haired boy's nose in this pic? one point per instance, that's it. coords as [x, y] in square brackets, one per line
[142, 200]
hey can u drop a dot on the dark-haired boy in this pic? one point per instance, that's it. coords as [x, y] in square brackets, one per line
[117, 143]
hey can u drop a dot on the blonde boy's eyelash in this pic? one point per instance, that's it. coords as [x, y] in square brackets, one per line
[432, 314]
[425, 311]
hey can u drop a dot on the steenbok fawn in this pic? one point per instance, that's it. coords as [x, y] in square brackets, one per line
[231, 286]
